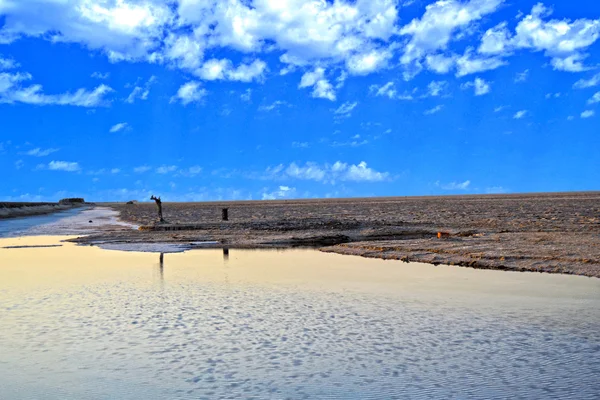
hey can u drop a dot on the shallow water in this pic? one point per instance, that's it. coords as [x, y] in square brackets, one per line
[85, 323]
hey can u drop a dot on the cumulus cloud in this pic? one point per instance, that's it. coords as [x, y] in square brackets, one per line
[321, 86]
[63, 166]
[223, 70]
[100, 75]
[189, 92]
[436, 88]
[480, 86]
[273, 106]
[436, 28]
[118, 127]
[7, 63]
[563, 40]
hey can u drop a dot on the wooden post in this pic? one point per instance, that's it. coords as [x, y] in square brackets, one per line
[225, 214]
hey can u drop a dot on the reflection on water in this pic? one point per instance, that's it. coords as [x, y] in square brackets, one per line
[80, 322]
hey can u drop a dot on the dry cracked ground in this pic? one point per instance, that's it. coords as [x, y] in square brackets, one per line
[557, 233]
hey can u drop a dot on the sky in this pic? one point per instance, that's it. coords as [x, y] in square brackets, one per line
[198, 100]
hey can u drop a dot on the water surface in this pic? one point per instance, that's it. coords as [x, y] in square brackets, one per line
[85, 323]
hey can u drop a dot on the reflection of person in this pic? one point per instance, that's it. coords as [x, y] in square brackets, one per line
[161, 265]
[225, 254]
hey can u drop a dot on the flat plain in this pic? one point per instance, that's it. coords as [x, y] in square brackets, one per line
[554, 232]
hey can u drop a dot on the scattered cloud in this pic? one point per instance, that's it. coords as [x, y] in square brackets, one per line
[520, 114]
[522, 76]
[345, 110]
[7, 63]
[434, 110]
[19, 164]
[595, 98]
[99, 75]
[284, 192]
[300, 145]
[246, 96]
[38, 152]
[564, 41]
[223, 69]
[327, 173]
[273, 106]
[436, 88]
[118, 127]
[496, 190]
[13, 90]
[165, 169]
[189, 92]
[588, 83]
[321, 86]
[63, 166]
[480, 86]
[454, 185]
[588, 114]
[141, 169]
[141, 92]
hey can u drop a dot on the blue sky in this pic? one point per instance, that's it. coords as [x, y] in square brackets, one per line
[265, 99]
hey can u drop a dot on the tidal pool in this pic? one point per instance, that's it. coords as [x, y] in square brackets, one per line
[79, 322]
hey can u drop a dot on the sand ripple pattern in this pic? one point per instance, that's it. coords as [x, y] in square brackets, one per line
[212, 341]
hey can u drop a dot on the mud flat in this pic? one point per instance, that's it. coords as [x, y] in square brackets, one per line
[554, 233]
[15, 210]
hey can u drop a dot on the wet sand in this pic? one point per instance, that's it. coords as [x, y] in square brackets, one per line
[83, 322]
[553, 233]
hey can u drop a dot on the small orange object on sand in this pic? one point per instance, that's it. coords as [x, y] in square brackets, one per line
[443, 235]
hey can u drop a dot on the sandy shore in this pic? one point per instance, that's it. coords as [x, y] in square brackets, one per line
[554, 233]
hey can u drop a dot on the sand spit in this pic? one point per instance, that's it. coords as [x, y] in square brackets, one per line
[15, 210]
[555, 233]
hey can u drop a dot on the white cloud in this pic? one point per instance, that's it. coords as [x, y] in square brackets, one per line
[455, 185]
[63, 166]
[387, 90]
[321, 86]
[140, 92]
[7, 63]
[13, 91]
[520, 114]
[37, 152]
[19, 164]
[522, 76]
[284, 192]
[165, 169]
[223, 70]
[118, 127]
[246, 96]
[327, 173]
[564, 41]
[189, 92]
[367, 63]
[273, 106]
[588, 83]
[100, 75]
[470, 64]
[115, 170]
[345, 110]
[435, 29]
[480, 86]
[434, 110]
[595, 98]
[436, 88]
[588, 114]
[141, 169]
